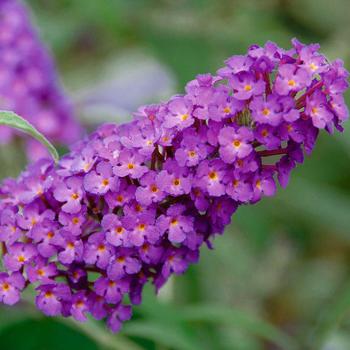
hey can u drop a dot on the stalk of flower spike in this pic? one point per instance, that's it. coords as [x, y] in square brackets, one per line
[134, 203]
[28, 82]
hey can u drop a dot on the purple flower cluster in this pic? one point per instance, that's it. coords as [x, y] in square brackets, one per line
[134, 203]
[28, 82]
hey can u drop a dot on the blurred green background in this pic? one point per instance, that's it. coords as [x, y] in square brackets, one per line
[279, 277]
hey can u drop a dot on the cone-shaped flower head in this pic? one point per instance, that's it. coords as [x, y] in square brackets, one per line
[134, 203]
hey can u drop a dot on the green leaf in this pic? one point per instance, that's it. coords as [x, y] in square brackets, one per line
[165, 334]
[100, 334]
[43, 334]
[330, 318]
[15, 121]
[228, 316]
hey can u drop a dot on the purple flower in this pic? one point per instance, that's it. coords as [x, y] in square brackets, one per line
[210, 177]
[102, 180]
[73, 222]
[150, 189]
[175, 180]
[177, 261]
[193, 149]
[124, 263]
[10, 287]
[291, 79]
[51, 297]
[18, 255]
[236, 64]
[80, 306]
[71, 247]
[180, 113]
[70, 192]
[263, 184]
[124, 195]
[97, 251]
[116, 232]
[9, 231]
[317, 109]
[143, 229]
[134, 203]
[130, 164]
[220, 213]
[42, 271]
[235, 143]
[267, 136]
[239, 189]
[245, 85]
[33, 215]
[44, 237]
[112, 291]
[175, 224]
[120, 314]
[266, 112]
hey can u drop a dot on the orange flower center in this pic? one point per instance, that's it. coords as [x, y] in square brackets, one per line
[213, 175]
[176, 182]
[105, 182]
[236, 143]
[266, 112]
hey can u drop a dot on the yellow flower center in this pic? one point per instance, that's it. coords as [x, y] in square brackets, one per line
[266, 112]
[174, 222]
[5, 287]
[48, 294]
[142, 227]
[40, 272]
[21, 259]
[227, 110]
[313, 66]
[248, 87]
[74, 196]
[291, 82]
[79, 304]
[213, 175]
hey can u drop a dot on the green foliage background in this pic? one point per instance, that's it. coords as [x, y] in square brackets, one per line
[279, 277]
